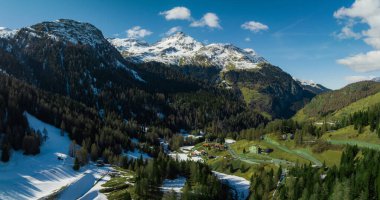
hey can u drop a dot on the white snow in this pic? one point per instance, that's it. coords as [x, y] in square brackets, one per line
[307, 83]
[6, 32]
[185, 157]
[70, 31]
[238, 184]
[186, 148]
[173, 185]
[181, 49]
[85, 187]
[186, 135]
[136, 154]
[94, 193]
[229, 141]
[34, 177]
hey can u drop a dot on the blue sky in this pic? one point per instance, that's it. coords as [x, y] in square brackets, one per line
[302, 35]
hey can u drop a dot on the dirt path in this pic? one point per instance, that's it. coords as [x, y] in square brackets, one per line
[300, 153]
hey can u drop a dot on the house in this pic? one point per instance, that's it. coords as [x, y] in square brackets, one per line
[284, 136]
[206, 145]
[254, 149]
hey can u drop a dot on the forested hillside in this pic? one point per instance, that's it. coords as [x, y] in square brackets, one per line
[329, 102]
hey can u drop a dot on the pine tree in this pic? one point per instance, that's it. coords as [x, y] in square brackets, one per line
[76, 166]
[63, 127]
[94, 152]
[5, 152]
[45, 135]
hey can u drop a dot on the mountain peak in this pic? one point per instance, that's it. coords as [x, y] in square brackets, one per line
[67, 31]
[311, 86]
[179, 41]
[181, 49]
[6, 32]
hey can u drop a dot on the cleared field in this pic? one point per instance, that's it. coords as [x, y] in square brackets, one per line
[279, 155]
[350, 134]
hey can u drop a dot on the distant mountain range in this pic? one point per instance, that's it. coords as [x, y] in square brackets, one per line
[74, 59]
[312, 86]
[181, 49]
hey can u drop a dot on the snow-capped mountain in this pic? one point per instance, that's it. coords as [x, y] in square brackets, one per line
[181, 49]
[312, 86]
[66, 57]
[6, 32]
[58, 43]
[69, 31]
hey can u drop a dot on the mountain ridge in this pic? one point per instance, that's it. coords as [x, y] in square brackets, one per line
[181, 49]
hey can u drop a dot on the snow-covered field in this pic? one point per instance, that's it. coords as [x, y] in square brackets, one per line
[176, 184]
[84, 187]
[136, 154]
[94, 193]
[34, 177]
[238, 184]
[184, 157]
[186, 148]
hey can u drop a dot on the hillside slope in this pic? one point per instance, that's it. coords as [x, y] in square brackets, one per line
[327, 103]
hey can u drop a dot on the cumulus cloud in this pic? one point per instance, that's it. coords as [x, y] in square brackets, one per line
[364, 62]
[173, 30]
[362, 12]
[254, 26]
[347, 32]
[210, 20]
[354, 79]
[138, 32]
[180, 13]
[247, 39]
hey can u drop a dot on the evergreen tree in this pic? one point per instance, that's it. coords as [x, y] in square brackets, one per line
[76, 165]
[94, 152]
[5, 152]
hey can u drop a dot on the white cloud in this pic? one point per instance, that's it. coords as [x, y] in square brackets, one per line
[362, 12]
[354, 79]
[347, 32]
[364, 62]
[254, 26]
[209, 19]
[247, 39]
[138, 32]
[180, 13]
[173, 30]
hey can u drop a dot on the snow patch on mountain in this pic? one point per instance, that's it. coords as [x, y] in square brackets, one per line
[311, 86]
[309, 83]
[71, 31]
[181, 49]
[6, 32]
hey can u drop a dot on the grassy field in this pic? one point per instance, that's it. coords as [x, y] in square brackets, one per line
[277, 153]
[119, 185]
[330, 157]
[350, 135]
[359, 105]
